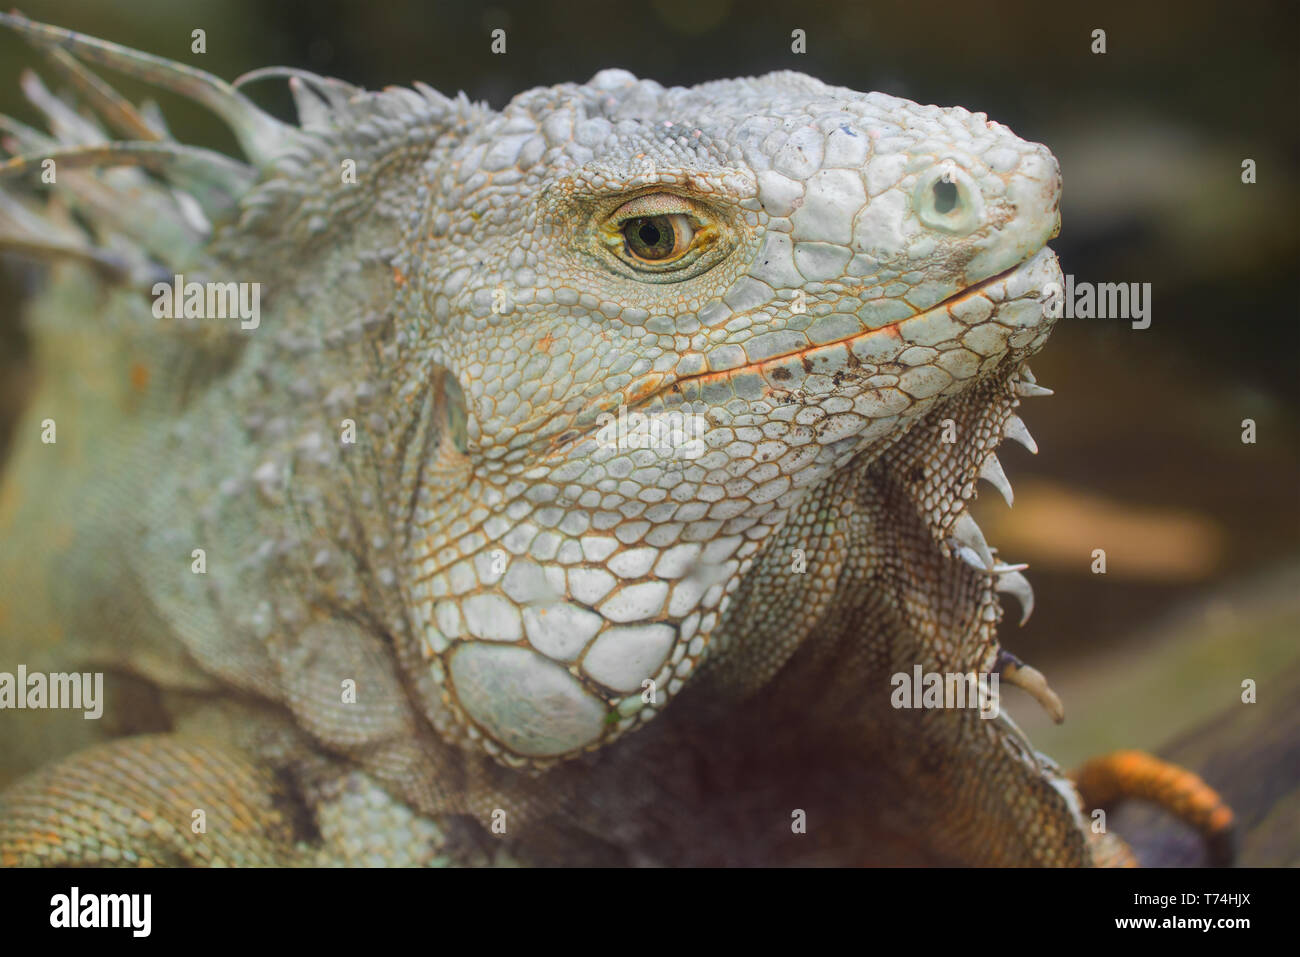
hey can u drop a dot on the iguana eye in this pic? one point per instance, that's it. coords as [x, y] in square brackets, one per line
[664, 237]
[656, 238]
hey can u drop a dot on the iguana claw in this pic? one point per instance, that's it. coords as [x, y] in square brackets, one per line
[1030, 679]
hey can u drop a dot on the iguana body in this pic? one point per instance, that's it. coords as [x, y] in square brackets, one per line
[402, 480]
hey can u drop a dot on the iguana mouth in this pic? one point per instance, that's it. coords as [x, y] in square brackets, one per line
[657, 385]
[649, 387]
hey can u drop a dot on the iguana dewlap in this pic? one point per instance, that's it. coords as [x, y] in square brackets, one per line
[589, 472]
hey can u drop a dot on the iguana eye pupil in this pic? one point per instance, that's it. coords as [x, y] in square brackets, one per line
[656, 238]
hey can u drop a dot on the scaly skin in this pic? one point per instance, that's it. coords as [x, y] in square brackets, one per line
[841, 288]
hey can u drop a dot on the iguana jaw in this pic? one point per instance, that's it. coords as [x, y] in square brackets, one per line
[1018, 282]
[599, 699]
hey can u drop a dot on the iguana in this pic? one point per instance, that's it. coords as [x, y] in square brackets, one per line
[583, 482]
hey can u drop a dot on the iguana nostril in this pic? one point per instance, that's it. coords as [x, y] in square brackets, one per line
[945, 197]
[948, 200]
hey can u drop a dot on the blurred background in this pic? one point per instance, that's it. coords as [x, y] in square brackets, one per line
[1141, 448]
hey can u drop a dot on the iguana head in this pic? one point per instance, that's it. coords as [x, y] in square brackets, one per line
[657, 317]
[587, 352]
